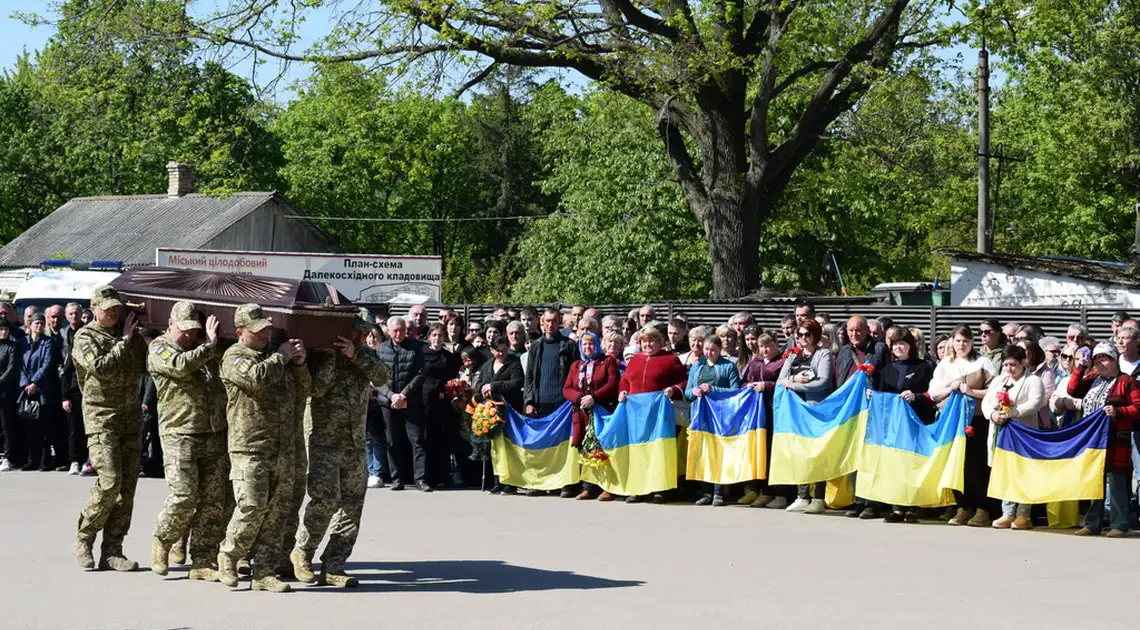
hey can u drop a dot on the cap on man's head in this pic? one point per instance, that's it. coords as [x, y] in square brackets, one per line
[1106, 349]
[105, 297]
[251, 318]
[186, 316]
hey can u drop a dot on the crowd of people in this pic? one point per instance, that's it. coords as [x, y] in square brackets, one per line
[412, 435]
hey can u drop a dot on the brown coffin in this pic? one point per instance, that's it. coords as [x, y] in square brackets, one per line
[311, 311]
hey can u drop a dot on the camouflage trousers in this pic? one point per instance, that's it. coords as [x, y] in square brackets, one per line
[197, 471]
[292, 520]
[115, 458]
[263, 489]
[337, 484]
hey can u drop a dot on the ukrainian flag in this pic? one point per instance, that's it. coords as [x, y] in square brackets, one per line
[819, 442]
[905, 462]
[640, 440]
[1031, 466]
[728, 438]
[535, 453]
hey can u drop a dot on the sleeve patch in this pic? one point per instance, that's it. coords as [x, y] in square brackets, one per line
[243, 366]
[87, 351]
[163, 350]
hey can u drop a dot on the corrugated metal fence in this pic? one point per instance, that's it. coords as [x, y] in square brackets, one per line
[930, 319]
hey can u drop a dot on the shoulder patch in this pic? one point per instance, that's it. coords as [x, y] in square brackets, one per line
[86, 350]
[243, 365]
[163, 350]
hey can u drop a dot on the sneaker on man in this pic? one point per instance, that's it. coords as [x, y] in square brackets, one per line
[5, 465]
[816, 507]
[779, 503]
[74, 470]
[373, 481]
[799, 505]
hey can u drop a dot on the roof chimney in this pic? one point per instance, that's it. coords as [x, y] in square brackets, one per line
[181, 179]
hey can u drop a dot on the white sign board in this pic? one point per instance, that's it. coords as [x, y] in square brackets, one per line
[362, 278]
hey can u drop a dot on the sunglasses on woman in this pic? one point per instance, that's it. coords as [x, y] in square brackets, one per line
[803, 333]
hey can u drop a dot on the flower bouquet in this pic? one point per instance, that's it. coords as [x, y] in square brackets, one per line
[485, 424]
[1003, 401]
[458, 391]
[590, 452]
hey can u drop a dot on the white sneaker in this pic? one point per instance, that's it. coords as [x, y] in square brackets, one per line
[779, 503]
[373, 482]
[5, 466]
[816, 507]
[74, 470]
[799, 505]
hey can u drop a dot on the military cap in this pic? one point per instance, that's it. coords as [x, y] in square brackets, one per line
[186, 315]
[105, 297]
[251, 318]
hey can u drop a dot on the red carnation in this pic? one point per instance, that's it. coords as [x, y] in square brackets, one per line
[867, 369]
[969, 432]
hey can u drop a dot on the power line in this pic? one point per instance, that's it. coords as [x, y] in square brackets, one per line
[425, 220]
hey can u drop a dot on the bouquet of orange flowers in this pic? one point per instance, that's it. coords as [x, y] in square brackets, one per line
[485, 419]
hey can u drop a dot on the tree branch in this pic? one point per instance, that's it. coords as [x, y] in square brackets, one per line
[670, 120]
[476, 80]
[643, 21]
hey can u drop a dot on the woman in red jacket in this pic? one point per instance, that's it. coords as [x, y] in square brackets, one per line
[654, 369]
[1104, 386]
[593, 380]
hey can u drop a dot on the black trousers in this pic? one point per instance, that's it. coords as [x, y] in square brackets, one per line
[407, 440]
[439, 415]
[38, 436]
[13, 428]
[76, 434]
[977, 471]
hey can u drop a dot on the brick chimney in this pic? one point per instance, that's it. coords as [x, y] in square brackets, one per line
[181, 179]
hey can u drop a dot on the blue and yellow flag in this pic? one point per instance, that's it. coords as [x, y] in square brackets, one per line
[535, 453]
[640, 441]
[728, 438]
[819, 442]
[1032, 466]
[905, 462]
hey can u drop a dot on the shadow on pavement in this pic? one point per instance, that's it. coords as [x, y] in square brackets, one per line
[469, 576]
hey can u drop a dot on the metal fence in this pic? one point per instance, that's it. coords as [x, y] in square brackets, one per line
[930, 319]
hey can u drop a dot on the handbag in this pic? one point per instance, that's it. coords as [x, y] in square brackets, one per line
[29, 408]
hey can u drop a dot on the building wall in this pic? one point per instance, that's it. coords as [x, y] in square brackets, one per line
[983, 284]
[267, 230]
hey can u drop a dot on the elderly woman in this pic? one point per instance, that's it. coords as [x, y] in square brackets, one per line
[696, 351]
[729, 341]
[654, 369]
[613, 346]
[1026, 395]
[714, 373]
[808, 373]
[592, 381]
[39, 382]
[1103, 386]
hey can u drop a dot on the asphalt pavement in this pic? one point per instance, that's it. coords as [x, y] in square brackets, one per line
[468, 560]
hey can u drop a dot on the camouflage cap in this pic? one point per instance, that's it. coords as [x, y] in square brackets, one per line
[186, 316]
[105, 297]
[252, 318]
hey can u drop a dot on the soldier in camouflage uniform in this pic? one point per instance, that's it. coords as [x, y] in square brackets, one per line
[193, 440]
[109, 364]
[337, 468]
[264, 391]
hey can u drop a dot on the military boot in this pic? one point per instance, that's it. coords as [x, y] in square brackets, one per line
[270, 583]
[302, 567]
[202, 570]
[159, 553]
[338, 579]
[83, 556]
[178, 553]
[117, 562]
[243, 567]
[227, 570]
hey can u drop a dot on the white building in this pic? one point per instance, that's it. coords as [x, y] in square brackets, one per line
[1006, 280]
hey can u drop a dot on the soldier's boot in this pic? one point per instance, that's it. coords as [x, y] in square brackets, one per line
[243, 567]
[302, 567]
[227, 570]
[159, 552]
[117, 562]
[338, 579]
[178, 553]
[270, 584]
[202, 570]
[83, 556]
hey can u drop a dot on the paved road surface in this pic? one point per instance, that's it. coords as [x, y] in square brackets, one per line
[464, 560]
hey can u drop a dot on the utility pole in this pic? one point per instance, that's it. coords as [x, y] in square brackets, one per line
[984, 228]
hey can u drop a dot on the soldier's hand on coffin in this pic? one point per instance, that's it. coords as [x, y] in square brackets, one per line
[288, 349]
[212, 330]
[302, 354]
[346, 347]
[130, 326]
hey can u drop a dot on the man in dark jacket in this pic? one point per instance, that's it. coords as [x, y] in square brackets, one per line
[72, 399]
[56, 424]
[863, 350]
[547, 366]
[401, 404]
[10, 427]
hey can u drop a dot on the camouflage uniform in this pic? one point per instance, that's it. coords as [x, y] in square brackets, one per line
[300, 479]
[193, 443]
[337, 469]
[263, 391]
[109, 368]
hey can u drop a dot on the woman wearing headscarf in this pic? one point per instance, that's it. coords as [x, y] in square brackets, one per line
[593, 380]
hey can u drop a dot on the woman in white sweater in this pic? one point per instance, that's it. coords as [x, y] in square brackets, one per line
[1026, 395]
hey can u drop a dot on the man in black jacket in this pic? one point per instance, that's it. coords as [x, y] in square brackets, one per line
[547, 366]
[401, 404]
[9, 392]
[70, 394]
[863, 350]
